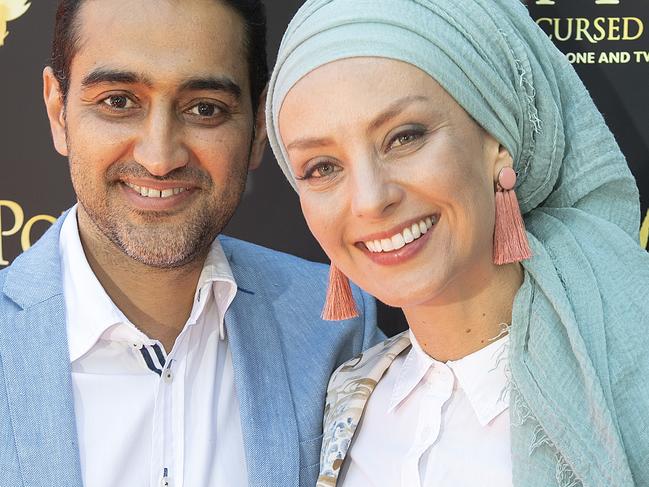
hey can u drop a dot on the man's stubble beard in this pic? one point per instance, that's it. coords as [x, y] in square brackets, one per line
[146, 237]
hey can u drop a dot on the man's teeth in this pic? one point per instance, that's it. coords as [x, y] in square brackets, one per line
[407, 235]
[155, 193]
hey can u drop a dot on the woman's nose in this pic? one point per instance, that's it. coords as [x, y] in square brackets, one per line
[375, 192]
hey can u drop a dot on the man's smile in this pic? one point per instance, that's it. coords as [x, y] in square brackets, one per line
[149, 192]
[158, 195]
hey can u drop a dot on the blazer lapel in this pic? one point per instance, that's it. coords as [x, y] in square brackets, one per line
[267, 411]
[36, 364]
[349, 391]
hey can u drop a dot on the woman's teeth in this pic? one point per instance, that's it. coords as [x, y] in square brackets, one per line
[406, 236]
[155, 193]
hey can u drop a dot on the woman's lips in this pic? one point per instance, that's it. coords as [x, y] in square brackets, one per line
[405, 244]
[400, 237]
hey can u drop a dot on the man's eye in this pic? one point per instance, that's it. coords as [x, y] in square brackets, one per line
[205, 109]
[118, 102]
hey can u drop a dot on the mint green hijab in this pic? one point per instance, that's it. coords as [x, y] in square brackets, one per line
[579, 340]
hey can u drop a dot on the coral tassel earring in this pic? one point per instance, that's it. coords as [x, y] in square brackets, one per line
[510, 239]
[340, 304]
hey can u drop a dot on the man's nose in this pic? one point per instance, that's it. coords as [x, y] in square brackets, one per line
[374, 192]
[160, 147]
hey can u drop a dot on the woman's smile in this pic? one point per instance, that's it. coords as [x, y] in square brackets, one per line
[395, 246]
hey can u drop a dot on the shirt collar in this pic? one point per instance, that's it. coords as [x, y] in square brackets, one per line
[216, 281]
[91, 314]
[482, 376]
[412, 372]
[89, 311]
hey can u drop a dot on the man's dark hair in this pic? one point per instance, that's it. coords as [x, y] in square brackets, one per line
[253, 13]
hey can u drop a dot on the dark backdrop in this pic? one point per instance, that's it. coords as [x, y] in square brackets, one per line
[607, 41]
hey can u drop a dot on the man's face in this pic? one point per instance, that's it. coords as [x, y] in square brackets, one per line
[158, 123]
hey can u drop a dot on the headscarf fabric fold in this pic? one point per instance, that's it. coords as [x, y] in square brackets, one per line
[579, 355]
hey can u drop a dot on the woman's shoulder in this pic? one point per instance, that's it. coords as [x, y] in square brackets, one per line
[369, 363]
[349, 390]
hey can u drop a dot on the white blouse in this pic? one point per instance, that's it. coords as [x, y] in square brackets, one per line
[430, 423]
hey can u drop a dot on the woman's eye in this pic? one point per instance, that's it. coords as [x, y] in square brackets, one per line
[119, 102]
[321, 171]
[404, 139]
[324, 170]
[204, 109]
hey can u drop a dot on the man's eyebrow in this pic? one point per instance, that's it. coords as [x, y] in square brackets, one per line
[224, 84]
[103, 75]
[392, 111]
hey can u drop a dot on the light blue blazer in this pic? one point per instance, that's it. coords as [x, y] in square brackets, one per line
[283, 355]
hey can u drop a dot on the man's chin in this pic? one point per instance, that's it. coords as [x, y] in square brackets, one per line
[163, 246]
[161, 256]
[161, 241]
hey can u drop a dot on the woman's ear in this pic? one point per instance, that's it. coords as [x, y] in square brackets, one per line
[55, 110]
[503, 159]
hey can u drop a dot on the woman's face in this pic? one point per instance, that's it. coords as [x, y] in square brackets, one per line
[396, 180]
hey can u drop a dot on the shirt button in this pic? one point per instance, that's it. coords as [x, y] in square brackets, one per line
[167, 376]
[137, 346]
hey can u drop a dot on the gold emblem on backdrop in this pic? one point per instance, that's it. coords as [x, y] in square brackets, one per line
[10, 10]
[18, 226]
[644, 232]
[613, 31]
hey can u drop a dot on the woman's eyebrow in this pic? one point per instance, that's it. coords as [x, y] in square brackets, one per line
[309, 143]
[389, 113]
[393, 110]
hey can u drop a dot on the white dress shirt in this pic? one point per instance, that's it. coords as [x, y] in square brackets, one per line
[145, 417]
[437, 424]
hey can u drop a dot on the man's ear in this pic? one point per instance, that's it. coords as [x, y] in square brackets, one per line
[260, 136]
[55, 110]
